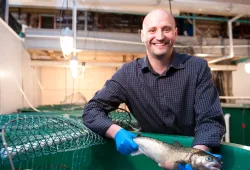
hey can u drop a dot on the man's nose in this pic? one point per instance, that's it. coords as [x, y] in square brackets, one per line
[159, 35]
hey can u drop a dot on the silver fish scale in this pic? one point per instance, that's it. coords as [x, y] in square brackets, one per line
[161, 152]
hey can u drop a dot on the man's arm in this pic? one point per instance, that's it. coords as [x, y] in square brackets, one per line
[112, 131]
[210, 124]
[95, 113]
[201, 147]
[106, 100]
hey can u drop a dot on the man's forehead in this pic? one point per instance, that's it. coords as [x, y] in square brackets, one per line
[158, 15]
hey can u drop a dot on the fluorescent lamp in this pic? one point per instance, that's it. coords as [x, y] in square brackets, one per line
[66, 40]
[247, 66]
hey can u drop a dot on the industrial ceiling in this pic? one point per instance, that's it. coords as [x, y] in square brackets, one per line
[44, 44]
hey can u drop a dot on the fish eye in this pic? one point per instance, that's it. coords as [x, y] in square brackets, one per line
[209, 159]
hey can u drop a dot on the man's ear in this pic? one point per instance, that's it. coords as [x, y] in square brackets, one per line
[142, 36]
[176, 32]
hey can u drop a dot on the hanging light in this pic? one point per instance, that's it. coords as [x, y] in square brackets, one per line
[73, 64]
[247, 66]
[83, 70]
[66, 40]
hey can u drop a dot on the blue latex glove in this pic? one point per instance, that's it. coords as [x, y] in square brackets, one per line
[189, 167]
[216, 155]
[124, 142]
[185, 167]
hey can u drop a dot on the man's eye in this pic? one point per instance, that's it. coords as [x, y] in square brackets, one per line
[167, 29]
[152, 31]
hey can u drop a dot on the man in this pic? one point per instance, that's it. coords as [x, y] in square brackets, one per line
[166, 92]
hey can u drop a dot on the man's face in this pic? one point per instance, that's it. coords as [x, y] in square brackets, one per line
[159, 34]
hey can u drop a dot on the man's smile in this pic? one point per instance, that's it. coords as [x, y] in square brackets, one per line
[160, 44]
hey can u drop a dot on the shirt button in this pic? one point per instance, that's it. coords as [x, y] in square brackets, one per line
[162, 95]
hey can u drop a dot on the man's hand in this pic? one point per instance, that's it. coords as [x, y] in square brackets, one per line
[216, 155]
[206, 149]
[185, 167]
[124, 142]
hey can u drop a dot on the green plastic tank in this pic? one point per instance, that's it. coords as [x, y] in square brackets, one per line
[105, 157]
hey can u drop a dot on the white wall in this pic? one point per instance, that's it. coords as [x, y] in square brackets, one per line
[30, 78]
[15, 72]
[59, 84]
[241, 83]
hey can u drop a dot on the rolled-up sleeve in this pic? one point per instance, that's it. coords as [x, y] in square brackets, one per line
[210, 124]
[95, 112]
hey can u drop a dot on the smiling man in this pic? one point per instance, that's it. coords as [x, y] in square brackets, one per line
[167, 92]
[159, 35]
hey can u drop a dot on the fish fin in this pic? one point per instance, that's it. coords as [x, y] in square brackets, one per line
[201, 168]
[176, 167]
[176, 143]
[139, 135]
[136, 153]
[181, 162]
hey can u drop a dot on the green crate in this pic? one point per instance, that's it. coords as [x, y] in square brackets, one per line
[239, 122]
[105, 157]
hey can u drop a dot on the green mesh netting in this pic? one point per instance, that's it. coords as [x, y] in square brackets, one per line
[124, 119]
[79, 159]
[34, 136]
[120, 116]
[57, 129]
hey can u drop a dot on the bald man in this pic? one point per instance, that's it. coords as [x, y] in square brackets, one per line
[167, 92]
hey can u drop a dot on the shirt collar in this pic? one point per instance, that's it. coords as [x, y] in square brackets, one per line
[176, 62]
[145, 64]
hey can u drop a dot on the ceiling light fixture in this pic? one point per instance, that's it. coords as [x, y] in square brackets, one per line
[74, 61]
[66, 40]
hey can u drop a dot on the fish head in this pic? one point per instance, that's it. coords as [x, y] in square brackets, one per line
[207, 162]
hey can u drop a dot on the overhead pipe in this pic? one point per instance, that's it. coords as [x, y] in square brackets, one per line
[6, 15]
[230, 31]
[227, 122]
[36, 63]
[74, 27]
[126, 2]
[236, 97]
[211, 18]
[135, 43]
[86, 21]
[89, 38]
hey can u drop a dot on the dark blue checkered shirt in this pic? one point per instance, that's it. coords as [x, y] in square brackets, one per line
[182, 101]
